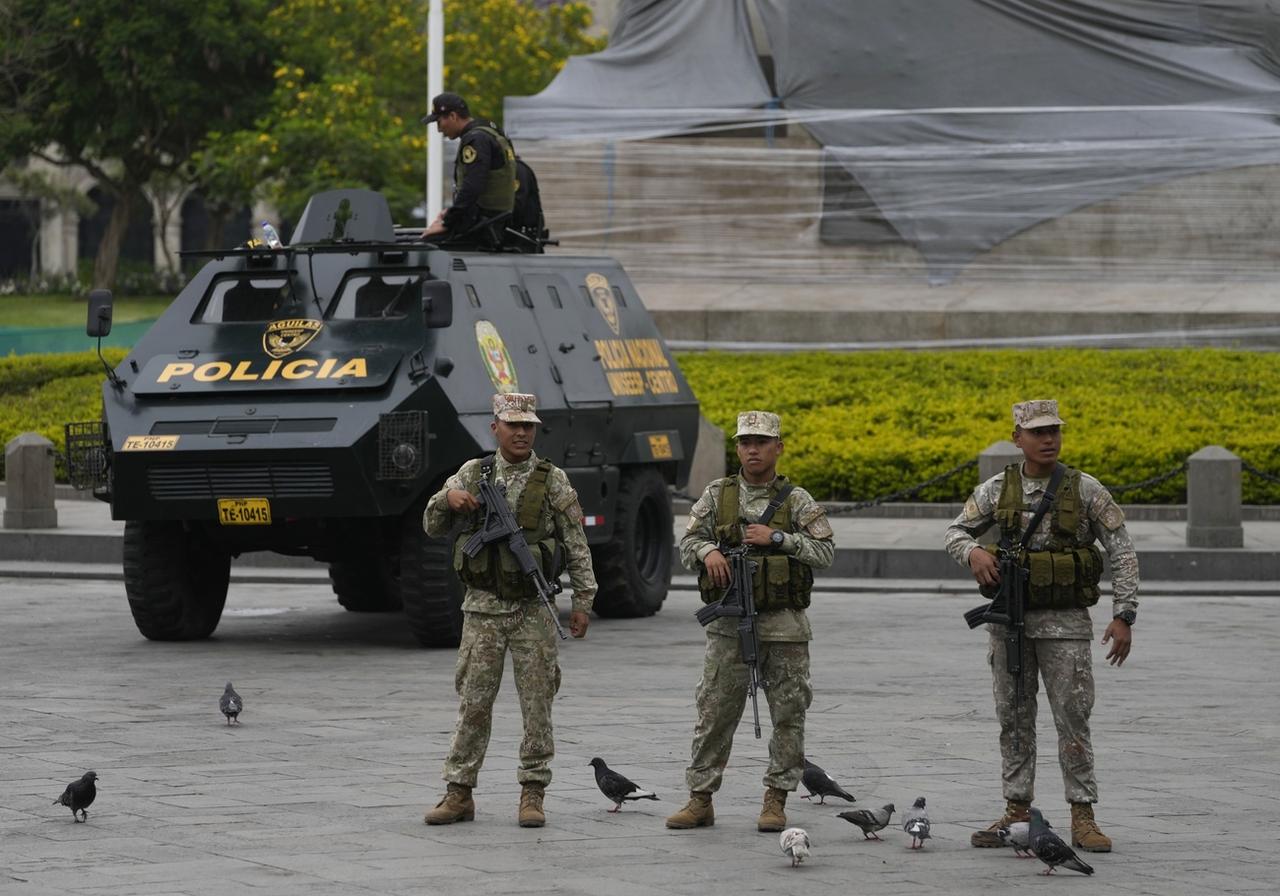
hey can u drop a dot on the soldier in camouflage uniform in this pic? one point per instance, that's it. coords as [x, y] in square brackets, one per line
[1063, 570]
[795, 541]
[501, 613]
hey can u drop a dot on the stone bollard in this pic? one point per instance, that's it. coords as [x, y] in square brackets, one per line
[992, 460]
[1213, 499]
[708, 457]
[28, 496]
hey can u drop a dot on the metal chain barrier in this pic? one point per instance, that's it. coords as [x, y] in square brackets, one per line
[1261, 474]
[838, 509]
[1145, 483]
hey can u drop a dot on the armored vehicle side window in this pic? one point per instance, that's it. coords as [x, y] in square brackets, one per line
[244, 299]
[376, 295]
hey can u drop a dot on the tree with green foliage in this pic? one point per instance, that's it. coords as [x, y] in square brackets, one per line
[350, 87]
[127, 90]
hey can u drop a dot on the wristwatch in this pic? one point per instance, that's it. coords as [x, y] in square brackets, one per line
[1128, 616]
[777, 538]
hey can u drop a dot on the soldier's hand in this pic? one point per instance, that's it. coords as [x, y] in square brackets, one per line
[461, 501]
[436, 228]
[758, 535]
[985, 568]
[578, 622]
[1121, 638]
[717, 569]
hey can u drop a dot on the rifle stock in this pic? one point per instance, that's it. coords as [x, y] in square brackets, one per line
[739, 602]
[500, 523]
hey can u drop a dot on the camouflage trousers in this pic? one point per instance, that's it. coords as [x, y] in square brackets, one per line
[1066, 666]
[529, 636]
[722, 698]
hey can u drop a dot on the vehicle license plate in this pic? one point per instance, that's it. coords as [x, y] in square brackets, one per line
[244, 511]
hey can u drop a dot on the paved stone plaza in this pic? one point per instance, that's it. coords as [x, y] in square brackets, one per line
[322, 788]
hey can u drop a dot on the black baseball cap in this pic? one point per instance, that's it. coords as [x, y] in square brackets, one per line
[443, 105]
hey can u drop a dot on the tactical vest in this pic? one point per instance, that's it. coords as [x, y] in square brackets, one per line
[779, 581]
[494, 568]
[499, 194]
[1066, 572]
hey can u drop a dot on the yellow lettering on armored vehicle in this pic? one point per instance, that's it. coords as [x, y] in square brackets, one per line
[253, 371]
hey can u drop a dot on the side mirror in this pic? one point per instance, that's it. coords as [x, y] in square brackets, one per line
[437, 304]
[99, 323]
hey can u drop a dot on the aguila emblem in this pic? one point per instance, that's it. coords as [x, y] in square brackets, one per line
[284, 337]
[602, 296]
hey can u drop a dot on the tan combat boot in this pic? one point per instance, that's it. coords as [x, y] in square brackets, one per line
[1014, 810]
[697, 813]
[772, 817]
[530, 814]
[457, 805]
[1084, 830]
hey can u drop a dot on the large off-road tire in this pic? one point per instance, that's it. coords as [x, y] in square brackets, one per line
[633, 569]
[366, 579]
[177, 586]
[429, 588]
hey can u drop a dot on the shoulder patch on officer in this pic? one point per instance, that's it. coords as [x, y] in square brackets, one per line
[566, 499]
[468, 155]
[971, 509]
[1110, 514]
[820, 527]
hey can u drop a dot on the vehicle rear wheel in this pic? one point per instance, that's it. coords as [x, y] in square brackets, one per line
[429, 588]
[365, 580]
[177, 586]
[633, 569]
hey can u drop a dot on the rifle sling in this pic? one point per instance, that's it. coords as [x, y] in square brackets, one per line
[1046, 502]
[778, 500]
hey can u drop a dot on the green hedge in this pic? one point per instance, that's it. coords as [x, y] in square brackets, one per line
[860, 425]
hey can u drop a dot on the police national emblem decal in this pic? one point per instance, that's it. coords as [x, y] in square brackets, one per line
[284, 337]
[602, 298]
[468, 155]
[497, 361]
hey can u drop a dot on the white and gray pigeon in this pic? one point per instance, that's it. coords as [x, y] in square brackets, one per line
[1018, 835]
[79, 796]
[1051, 849]
[795, 844]
[231, 704]
[616, 787]
[870, 820]
[915, 821]
[822, 785]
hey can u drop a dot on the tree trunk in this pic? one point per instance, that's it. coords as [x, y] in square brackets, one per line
[107, 261]
[219, 215]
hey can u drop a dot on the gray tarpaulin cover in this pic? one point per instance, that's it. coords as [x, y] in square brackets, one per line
[965, 121]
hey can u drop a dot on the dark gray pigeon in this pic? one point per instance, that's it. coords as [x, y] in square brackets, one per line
[915, 821]
[1051, 849]
[821, 785]
[79, 796]
[870, 820]
[1018, 835]
[231, 704]
[616, 787]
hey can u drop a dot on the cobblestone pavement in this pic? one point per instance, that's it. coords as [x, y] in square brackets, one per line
[321, 789]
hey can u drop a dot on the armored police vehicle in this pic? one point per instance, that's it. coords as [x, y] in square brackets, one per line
[309, 399]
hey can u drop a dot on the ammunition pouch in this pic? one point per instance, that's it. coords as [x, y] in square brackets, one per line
[495, 568]
[779, 583]
[1062, 580]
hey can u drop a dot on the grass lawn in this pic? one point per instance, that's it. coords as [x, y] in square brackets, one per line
[70, 311]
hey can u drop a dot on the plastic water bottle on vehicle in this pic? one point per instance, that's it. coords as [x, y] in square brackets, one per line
[270, 236]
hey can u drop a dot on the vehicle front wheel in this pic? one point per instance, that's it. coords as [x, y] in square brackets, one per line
[429, 588]
[633, 569]
[176, 585]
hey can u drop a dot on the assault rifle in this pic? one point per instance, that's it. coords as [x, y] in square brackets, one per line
[500, 522]
[739, 602]
[1009, 604]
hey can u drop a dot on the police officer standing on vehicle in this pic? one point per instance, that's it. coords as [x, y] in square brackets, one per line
[1063, 567]
[502, 613]
[484, 175]
[794, 541]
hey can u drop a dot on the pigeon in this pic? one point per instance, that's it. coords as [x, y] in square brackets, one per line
[822, 785]
[231, 704]
[1018, 835]
[79, 796]
[616, 787]
[870, 820]
[916, 823]
[795, 843]
[1051, 849]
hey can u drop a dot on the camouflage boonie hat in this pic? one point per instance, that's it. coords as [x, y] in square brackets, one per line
[758, 423]
[1037, 413]
[515, 407]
